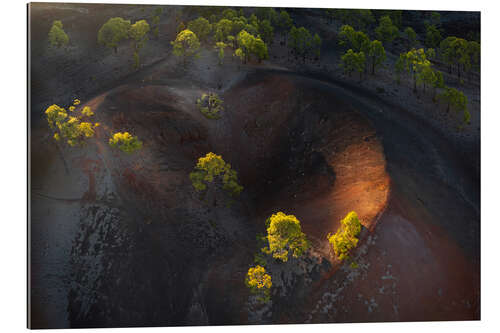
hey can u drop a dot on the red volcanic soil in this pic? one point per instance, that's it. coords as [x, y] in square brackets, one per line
[299, 149]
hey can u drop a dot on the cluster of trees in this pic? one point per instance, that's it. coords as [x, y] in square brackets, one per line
[57, 35]
[73, 127]
[416, 63]
[361, 51]
[246, 36]
[464, 55]
[304, 44]
[284, 239]
[212, 172]
[117, 29]
[210, 105]
[346, 237]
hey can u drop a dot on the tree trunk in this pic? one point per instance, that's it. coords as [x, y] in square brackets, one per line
[373, 66]
[116, 49]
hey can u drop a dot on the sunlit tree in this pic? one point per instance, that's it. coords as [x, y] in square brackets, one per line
[376, 53]
[352, 39]
[72, 127]
[266, 31]
[411, 37]
[345, 239]
[259, 283]
[285, 237]
[113, 32]
[432, 36]
[57, 36]
[212, 172]
[186, 45]
[386, 31]
[138, 33]
[210, 105]
[285, 23]
[353, 61]
[223, 29]
[126, 142]
[201, 28]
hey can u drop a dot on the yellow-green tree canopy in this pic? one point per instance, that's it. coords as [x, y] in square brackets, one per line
[210, 105]
[345, 239]
[285, 236]
[212, 167]
[266, 31]
[186, 44]
[285, 22]
[138, 32]
[376, 52]
[432, 36]
[70, 126]
[358, 18]
[259, 282]
[220, 46]
[248, 44]
[201, 27]
[113, 32]
[125, 142]
[386, 31]
[356, 40]
[353, 61]
[457, 101]
[223, 29]
[411, 36]
[57, 36]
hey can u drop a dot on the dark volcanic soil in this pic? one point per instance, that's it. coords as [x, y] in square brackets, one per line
[121, 240]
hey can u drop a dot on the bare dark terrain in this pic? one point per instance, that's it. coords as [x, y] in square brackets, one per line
[124, 240]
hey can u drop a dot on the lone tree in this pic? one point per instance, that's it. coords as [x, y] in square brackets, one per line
[259, 283]
[113, 32]
[186, 45]
[210, 105]
[386, 31]
[266, 31]
[411, 37]
[353, 61]
[155, 22]
[284, 23]
[125, 142]
[345, 239]
[376, 53]
[201, 28]
[73, 127]
[57, 36]
[414, 62]
[457, 101]
[432, 36]
[220, 46]
[210, 173]
[285, 236]
[223, 29]
[138, 33]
